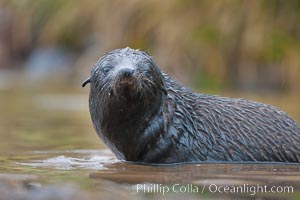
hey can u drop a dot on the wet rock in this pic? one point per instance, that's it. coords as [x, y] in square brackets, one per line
[25, 187]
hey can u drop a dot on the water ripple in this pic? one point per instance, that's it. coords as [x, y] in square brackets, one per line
[80, 159]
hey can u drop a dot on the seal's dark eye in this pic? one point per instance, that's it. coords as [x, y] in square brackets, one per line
[105, 69]
[147, 74]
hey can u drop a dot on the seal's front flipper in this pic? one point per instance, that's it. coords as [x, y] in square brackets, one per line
[88, 80]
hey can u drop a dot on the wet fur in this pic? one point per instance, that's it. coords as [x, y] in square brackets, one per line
[160, 121]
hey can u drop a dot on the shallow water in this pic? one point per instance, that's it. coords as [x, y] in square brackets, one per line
[48, 147]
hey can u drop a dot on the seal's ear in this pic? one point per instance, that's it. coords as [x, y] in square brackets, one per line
[88, 80]
[162, 86]
[163, 89]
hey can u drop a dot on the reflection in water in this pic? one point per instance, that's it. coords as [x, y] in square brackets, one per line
[200, 173]
[189, 180]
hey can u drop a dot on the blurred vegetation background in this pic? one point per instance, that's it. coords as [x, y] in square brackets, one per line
[210, 45]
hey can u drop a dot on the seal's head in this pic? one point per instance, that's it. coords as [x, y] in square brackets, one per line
[126, 73]
[127, 90]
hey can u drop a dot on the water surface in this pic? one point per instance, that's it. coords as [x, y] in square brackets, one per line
[48, 147]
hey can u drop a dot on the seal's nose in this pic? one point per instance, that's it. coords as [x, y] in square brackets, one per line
[126, 72]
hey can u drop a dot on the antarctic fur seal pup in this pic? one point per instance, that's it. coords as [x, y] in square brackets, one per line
[145, 116]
